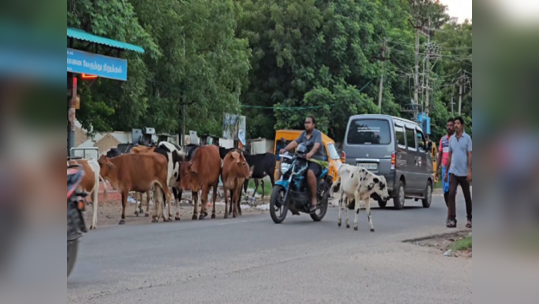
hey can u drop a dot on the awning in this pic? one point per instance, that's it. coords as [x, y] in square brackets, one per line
[82, 35]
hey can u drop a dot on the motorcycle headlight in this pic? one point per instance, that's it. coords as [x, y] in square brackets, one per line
[284, 167]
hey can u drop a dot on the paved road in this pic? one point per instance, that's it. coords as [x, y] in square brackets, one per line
[251, 260]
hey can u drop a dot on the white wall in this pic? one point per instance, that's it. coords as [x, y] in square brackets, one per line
[226, 143]
[261, 146]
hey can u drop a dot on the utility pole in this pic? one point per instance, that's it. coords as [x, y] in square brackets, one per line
[428, 70]
[452, 107]
[417, 27]
[460, 93]
[183, 102]
[381, 91]
[416, 76]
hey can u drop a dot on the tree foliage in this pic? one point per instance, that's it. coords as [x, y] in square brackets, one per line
[192, 56]
[274, 61]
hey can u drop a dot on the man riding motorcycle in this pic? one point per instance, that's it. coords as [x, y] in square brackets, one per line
[310, 136]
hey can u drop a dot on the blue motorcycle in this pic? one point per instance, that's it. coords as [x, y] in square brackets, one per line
[292, 193]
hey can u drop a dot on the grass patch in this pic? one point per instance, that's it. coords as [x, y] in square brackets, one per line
[463, 244]
[267, 186]
[438, 185]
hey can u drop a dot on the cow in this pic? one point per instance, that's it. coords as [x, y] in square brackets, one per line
[138, 208]
[201, 172]
[360, 184]
[234, 173]
[90, 182]
[137, 172]
[113, 152]
[174, 155]
[190, 150]
[261, 165]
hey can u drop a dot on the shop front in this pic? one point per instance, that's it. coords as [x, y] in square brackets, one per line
[85, 65]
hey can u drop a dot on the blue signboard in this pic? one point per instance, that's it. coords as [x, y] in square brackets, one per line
[99, 65]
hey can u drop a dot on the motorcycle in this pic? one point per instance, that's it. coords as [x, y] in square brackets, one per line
[75, 218]
[292, 193]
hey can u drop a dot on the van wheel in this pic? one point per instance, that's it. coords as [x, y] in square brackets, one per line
[428, 195]
[399, 200]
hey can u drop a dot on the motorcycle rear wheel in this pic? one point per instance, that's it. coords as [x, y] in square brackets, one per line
[72, 250]
[277, 196]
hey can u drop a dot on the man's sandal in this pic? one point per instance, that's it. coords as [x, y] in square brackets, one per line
[452, 224]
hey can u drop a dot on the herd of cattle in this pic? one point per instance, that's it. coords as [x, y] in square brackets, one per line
[167, 166]
[199, 169]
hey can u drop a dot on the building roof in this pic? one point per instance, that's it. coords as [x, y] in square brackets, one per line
[82, 35]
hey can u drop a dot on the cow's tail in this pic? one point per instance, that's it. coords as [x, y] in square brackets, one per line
[105, 193]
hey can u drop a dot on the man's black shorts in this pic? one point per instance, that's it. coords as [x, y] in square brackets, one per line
[316, 168]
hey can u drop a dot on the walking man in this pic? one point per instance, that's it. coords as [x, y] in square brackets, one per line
[443, 159]
[460, 171]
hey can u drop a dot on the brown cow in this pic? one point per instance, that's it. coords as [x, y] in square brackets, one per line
[138, 208]
[201, 173]
[234, 173]
[141, 149]
[138, 172]
[89, 183]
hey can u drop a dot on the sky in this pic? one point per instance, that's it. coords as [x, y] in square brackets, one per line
[461, 9]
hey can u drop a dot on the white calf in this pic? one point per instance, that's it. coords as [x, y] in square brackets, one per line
[360, 184]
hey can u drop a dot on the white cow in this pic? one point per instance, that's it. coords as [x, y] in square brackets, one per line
[360, 184]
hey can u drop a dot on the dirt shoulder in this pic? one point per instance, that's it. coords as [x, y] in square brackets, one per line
[441, 244]
[109, 213]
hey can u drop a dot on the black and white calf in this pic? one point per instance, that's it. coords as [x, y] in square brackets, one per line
[360, 184]
[174, 155]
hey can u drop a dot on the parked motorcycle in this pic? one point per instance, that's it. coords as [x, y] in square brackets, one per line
[75, 219]
[292, 193]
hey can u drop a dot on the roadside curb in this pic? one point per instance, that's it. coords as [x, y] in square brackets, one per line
[431, 236]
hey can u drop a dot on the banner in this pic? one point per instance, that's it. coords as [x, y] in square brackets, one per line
[103, 66]
[234, 127]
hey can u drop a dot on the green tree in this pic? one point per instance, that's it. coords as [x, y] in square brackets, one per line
[109, 104]
[315, 55]
[192, 57]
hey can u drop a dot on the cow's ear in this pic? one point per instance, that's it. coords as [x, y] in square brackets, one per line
[110, 165]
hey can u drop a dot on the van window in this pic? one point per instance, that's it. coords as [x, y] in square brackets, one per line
[333, 154]
[400, 137]
[411, 139]
[369, 132]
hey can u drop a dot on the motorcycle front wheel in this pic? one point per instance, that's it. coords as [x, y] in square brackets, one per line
[72, 249]
[278, 214]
